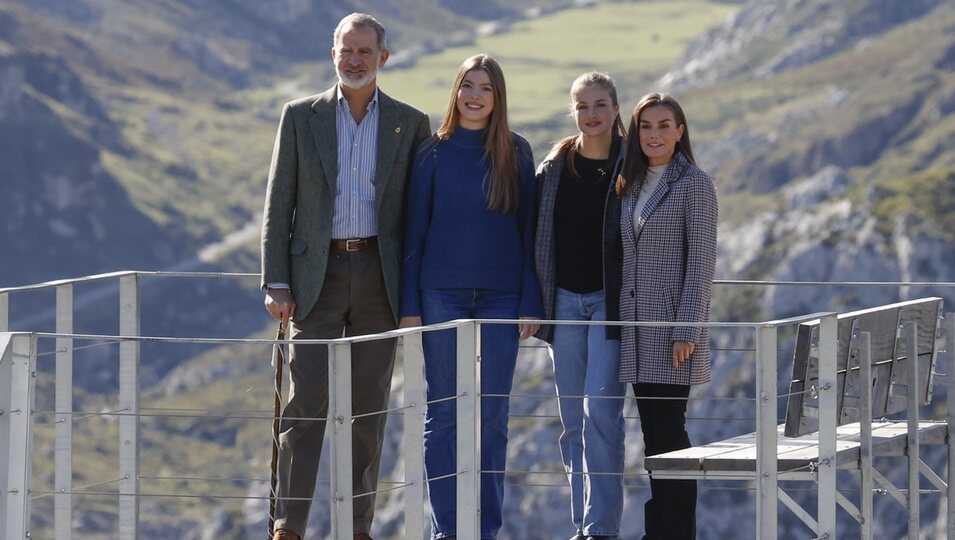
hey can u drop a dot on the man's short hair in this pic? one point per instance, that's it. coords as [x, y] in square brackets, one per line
[360, 20]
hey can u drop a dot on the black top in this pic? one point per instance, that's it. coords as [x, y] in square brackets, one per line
[578, 225]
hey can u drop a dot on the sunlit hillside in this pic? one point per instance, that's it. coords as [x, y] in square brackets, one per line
[140, 141]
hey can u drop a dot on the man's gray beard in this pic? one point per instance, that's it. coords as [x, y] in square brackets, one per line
[355, 84]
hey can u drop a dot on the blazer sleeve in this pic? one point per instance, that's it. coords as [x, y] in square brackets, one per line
[422, 130]
[417, 222]
[544, 219]
[530, 302]
[700, 217]
[280, 202]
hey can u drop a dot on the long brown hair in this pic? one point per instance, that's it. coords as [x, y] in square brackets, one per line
[570, 146]
[636, 164]
[503, 178]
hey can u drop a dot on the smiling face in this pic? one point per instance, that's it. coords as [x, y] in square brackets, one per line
[659, 134]
[475, 101]
[357, 56]
[594, 111]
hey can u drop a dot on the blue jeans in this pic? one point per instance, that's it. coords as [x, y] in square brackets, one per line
[585, 364]
[498, 358]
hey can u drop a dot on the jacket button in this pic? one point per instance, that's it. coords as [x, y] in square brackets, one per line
[632, 293]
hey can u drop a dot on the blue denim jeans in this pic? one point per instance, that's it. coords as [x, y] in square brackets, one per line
[498, 358]
[585, 364]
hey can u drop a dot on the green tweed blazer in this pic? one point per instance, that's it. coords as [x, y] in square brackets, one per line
[297, 221]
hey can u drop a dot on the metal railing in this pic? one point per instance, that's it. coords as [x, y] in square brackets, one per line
[18, 367]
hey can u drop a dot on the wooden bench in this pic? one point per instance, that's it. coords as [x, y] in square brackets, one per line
[871, 344]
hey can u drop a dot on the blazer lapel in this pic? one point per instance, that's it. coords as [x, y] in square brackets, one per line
[323, 124]
[672, 173]
[628, 204]
[658, 195]
[390, 127]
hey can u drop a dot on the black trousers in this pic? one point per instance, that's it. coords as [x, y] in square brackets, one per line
[671, 511]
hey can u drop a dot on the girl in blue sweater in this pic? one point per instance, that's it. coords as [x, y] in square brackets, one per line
[469, 255]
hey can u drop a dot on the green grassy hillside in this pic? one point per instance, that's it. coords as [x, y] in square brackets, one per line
[634, 42]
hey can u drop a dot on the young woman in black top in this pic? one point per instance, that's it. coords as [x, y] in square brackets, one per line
[577, 243]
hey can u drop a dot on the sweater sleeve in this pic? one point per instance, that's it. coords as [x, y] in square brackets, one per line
[417, 222]
[530, 303]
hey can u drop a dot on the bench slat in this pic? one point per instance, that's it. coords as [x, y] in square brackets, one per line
[739, 453]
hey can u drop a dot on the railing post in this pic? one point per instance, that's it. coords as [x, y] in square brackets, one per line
[4, 312]
[339, 420]
[6, 439]
[828, 418]
[949, 323]
[863, 342]
[17, 366]
[415, 404]
[911, 350]
[63, 390]
[129, 351]
[469, 429]
[766, 464]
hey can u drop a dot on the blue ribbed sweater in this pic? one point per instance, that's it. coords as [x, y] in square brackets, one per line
[452, 240]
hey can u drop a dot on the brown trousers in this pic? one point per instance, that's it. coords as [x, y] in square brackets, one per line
[353, 301]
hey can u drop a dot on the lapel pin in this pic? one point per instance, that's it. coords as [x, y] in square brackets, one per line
[398, 129]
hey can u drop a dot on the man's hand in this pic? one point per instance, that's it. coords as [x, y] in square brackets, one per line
[682, 351]
[280, 305]
[409, 321]
[528, 329]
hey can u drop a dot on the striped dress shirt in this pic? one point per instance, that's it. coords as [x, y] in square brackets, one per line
[354, 213]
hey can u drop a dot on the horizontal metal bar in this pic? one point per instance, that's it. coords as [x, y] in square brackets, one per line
[430, 328]
[83, 415]
[734, 282]
[112, 275]
[174, 495]
[834, 283]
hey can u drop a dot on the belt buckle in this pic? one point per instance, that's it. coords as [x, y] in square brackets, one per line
[354, 241]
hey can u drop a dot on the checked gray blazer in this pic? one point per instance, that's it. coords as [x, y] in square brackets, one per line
[668, 264]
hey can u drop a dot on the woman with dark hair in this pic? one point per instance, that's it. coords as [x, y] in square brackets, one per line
[469, 255]
[668, 228]
[578, 238]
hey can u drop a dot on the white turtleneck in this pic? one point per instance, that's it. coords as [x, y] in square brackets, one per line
[654, 174]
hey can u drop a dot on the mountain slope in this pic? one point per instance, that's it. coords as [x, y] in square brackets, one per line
[827, 124]
[144, 101]
[862, 128]
[60, 206]
[883, 104]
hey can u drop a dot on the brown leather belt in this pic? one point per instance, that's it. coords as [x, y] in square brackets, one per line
[354, 244]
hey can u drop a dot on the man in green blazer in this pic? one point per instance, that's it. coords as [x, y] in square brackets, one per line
[331, 249]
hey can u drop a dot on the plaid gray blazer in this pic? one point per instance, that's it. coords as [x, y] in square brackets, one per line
[668, 264]
[548, 180]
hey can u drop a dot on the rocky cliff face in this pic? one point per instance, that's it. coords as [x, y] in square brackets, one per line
[766, 38]
[785, 89]
[820, 234]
